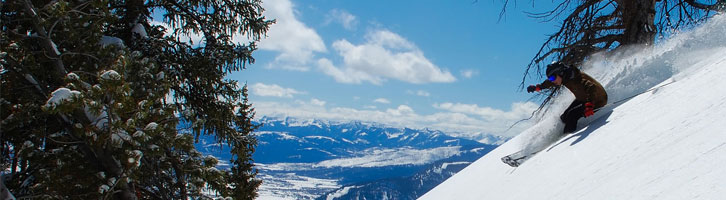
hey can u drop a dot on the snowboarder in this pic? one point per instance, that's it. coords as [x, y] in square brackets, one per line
[589, 94]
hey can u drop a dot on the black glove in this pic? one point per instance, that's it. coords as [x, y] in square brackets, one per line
[533, 88]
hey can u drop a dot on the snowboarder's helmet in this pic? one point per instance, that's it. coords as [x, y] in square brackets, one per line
[556, 68]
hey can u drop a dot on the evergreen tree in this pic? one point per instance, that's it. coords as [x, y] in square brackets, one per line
[100, 101]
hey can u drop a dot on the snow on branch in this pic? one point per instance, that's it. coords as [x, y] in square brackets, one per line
[61, 95]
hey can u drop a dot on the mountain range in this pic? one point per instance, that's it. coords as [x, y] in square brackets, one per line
[309, 158]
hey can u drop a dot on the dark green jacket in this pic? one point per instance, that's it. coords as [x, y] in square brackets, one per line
[584, 87]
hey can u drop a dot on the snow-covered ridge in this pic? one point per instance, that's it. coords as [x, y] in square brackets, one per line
[391, 132]
[302, 122]
[667, 143]
[374, 157]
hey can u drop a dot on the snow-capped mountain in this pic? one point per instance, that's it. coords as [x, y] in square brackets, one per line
[304, 159]
[667, 142]
[330, 144]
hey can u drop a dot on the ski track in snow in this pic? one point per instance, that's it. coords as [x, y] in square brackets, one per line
[663, 144]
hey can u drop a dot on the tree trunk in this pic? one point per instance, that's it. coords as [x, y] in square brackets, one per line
[135, 12]
[638, 19]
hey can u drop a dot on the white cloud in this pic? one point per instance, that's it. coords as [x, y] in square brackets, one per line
[346, 75]
[295, 41]
[382, 100]
[370, 107]
[468, 73]
[273, 90]
[518, 110]
[317, 102]
[419, 93]
[347, 20]
[401, 110]
[384, 55]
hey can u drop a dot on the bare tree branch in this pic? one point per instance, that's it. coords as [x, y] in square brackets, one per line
[596, 25]
[716, 6]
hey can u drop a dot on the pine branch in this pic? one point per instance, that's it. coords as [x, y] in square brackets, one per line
[19, 69]
[47, 43]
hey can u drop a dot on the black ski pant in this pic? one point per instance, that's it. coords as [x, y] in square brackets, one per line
[572, 114]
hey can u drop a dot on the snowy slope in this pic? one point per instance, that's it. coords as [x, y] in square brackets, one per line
[669, 143]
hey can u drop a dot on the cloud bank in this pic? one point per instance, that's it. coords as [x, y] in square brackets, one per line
[384, 55]
[295, 42]
[273, 90]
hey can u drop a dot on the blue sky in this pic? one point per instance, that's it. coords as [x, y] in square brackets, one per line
[447, 65]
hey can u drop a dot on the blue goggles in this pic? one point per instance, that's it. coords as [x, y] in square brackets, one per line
[552, 78]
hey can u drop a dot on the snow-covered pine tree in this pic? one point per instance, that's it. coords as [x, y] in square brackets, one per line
[101, 101]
